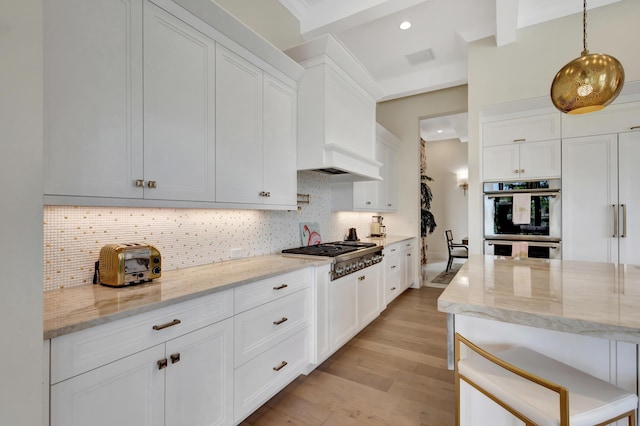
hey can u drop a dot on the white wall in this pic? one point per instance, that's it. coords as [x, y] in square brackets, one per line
[525, 69]
[449, 205]
[21, 212]
[402, 118]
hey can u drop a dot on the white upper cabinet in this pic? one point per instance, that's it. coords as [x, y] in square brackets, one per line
[373, 196]
[256, 135]
[239, 129]
[179, 109]
[522, 148]
[617, 118]
[93, 98]
[136, 92]
[279, 141]
[526, 129]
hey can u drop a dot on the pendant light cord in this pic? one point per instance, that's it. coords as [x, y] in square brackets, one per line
[584, 28]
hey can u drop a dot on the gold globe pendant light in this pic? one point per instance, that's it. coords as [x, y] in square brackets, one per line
[588, 83]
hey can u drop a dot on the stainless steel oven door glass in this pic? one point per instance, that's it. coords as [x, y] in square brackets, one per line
[546, 214]
[536, 249]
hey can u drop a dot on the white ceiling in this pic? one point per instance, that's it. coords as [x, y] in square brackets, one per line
[369, 30]
[443, 128]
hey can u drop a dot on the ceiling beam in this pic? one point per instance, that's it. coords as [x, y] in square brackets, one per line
[506, 21]
[334, 16]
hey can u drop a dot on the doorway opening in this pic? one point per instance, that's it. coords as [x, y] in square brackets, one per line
[444, 158]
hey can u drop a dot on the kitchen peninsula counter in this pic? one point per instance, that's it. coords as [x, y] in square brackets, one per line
[72, 309]
[586, 298]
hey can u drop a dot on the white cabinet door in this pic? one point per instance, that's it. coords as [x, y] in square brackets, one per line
[530, 160]
[179, 104]
[389, 173]
[343, 318]
[589, 198]
[629, 197]
[525, 129]
[199, 377]
[369, 300]
[540, 159]
[127, 392]
[501, 162]
[279, 140]
[93, 98]
[409, 266]
[238, 129]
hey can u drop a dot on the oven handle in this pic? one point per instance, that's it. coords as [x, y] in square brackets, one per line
[552, 246]
[510, 193]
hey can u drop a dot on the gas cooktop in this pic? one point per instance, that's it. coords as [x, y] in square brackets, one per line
[333, 249]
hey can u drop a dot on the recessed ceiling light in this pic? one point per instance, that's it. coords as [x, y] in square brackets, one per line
[440, 131]
[405, 25]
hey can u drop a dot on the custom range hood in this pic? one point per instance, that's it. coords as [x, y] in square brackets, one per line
[336, 112]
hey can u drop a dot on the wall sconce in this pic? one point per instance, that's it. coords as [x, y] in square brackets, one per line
[464, 185]
[463, 181]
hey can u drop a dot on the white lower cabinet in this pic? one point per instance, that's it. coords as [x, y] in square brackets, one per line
[173, 366]
[354, 301]
[399, 268]
[127, 392]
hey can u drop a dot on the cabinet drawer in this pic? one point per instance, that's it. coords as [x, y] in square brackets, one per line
[84, 350]
[527, 129]
[392, 267]
[265, 375]
[251, 295]
[267, 325]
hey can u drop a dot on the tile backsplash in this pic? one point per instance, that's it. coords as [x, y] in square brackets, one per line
[73, 235]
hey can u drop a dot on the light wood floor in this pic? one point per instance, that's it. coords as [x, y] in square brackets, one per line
[393, 373]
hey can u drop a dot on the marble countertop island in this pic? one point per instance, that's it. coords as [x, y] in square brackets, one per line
[587, 298]
[75, 308]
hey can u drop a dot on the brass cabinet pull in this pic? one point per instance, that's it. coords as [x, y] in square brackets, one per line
[281, 366]
[634, 128]
[393, 266]
[392, 250]
[368, 203]
[280, 287]
[516, 171]
[152, 184]
[139, 183]
[519, 140]
[389, 205]
[167, 325]
[615, 220]
[362, 278]
[280, 321]
[162, 364]
[175, 358]
[408, 254]
[393, 288]
[624, 221]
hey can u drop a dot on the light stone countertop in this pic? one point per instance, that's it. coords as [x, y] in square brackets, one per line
[75, 308]
[588, 298]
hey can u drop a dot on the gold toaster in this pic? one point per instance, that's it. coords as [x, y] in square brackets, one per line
[123, 264]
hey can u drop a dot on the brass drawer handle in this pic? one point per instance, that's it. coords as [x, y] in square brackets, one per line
[175, 358]
[167, 325]
[635, 128]
[519, 140]
[393, 288]
[281, 366]
[162, 364]
[362, 278]
[393, 266]
[280, 287]
[280, 321]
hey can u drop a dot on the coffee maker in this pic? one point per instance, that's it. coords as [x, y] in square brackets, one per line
[377, 228]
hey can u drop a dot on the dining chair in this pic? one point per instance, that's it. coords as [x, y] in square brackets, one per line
[456, 251]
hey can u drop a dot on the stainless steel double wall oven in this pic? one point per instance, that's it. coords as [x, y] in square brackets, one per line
[543, 233]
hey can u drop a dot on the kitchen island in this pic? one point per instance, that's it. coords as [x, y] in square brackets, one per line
[581, 313]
